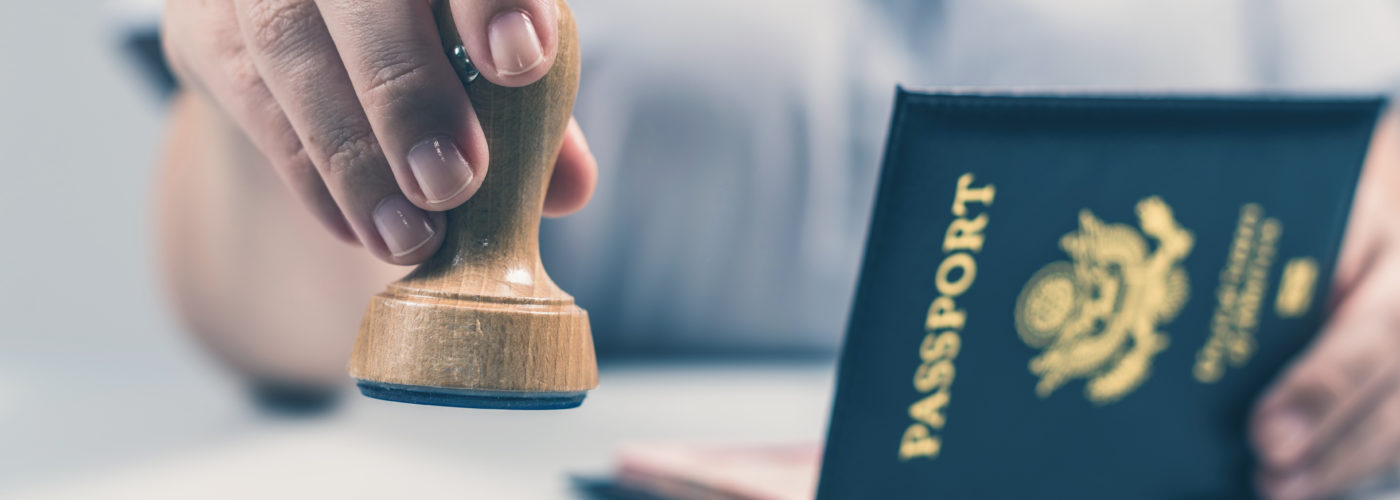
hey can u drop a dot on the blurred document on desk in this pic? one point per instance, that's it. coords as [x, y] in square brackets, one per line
[694, 471]
[1086, 293]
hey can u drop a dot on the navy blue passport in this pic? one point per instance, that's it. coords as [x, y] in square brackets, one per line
[1082, 297]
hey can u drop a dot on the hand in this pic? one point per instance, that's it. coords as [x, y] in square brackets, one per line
[360, 111]
[1333, 418]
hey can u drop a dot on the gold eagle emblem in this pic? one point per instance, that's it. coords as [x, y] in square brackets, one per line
[1097, 316]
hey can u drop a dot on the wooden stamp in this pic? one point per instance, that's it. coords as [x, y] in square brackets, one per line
[480, 324]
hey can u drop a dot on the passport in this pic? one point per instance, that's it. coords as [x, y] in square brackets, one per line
[1076, 296]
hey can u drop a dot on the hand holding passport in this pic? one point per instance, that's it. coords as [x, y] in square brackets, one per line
[1332, 418]
[1084, 297]
[1107, 297]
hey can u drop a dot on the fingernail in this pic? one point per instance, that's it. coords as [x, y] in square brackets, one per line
[1285, 432]
[515, 48]
[440, 168]
[404, 227]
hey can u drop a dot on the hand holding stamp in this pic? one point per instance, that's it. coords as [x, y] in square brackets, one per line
[480, 324]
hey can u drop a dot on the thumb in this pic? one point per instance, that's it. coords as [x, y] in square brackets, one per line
[511, 42]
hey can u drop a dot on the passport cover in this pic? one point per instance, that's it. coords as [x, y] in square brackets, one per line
[1082, 297]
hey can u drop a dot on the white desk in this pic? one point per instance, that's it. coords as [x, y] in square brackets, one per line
[152, 438]
[374, 449]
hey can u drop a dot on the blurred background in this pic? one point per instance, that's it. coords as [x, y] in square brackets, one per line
[763, 127]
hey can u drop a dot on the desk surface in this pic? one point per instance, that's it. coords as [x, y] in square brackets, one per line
[369, 449]
[147, 436]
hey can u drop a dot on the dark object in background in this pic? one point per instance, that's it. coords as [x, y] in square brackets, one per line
[292, 399]
[604, 488]
[144, 47]
[1086, 294]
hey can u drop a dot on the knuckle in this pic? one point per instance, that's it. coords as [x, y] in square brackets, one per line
[276, 26]
[243, 76]
[394, 80]
[349, 150]
[199, 39]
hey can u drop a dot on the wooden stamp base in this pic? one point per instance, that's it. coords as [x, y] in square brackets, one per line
[474, 351]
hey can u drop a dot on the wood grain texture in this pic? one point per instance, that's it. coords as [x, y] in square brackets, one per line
[482, 314]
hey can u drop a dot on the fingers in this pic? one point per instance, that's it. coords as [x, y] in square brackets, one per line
[1365, 447]
[293, 50]
[214, 60]
[363, 115]
[1331, 380]
[1371, 229]
[575, 175]
[1306, 422]
[512, 42]
[412, 97]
